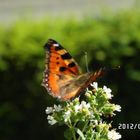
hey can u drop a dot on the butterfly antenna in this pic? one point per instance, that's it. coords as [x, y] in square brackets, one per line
[86, 61]
[114, 68]
[111, 69]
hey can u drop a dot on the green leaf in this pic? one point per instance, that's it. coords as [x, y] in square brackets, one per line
[80, 133]
[68, 134]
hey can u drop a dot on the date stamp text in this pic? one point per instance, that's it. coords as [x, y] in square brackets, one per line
[129, 126]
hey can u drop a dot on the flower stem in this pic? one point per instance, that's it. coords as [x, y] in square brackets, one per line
[73, 132]
[72, 129]
[86, 123]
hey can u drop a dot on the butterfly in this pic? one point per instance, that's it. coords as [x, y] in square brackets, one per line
[62, 77]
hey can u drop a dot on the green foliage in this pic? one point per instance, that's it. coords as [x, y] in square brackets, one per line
[109, 41]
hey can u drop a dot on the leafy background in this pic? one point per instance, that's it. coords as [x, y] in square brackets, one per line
[109, 40]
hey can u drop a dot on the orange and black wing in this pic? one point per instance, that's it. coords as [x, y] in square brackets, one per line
[60, 68]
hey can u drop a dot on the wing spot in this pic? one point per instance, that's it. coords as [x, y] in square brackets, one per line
[72, 64]
[66, 56]
[57, 63]
[61, 69]
[58, 48]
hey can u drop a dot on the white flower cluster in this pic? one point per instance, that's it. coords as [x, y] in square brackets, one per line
[105, 89]
[80, 107]
[50, 110]
[53, 109]
[118, 108]
[95, 105]
[71, 108]
[67, 116]
[51, 120]
[113, 135]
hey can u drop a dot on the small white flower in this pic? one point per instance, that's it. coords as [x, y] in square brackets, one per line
[70, 104]
[95, 85]
[96, 122]
[51, 120]
[91, 114]
[85, 105]
[68, 112]
[57, 108]
[49, 110]
[76, 99]
[88, 93]
[113, 135]
[67, 116]
[77, 107]
[108, 92]
[118, 108]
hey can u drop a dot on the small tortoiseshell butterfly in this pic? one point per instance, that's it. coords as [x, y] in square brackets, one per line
[62, 77]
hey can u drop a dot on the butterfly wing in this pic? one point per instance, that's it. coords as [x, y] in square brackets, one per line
[62, 77]
[74, 87]
[60, 68]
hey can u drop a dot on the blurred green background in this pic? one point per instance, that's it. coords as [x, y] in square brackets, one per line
[110, 39]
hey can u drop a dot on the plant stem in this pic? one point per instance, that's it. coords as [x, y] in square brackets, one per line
[73, 133]
[72, 128]
[83, 129]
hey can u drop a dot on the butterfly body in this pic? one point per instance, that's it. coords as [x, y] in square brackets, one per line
[62, 77]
